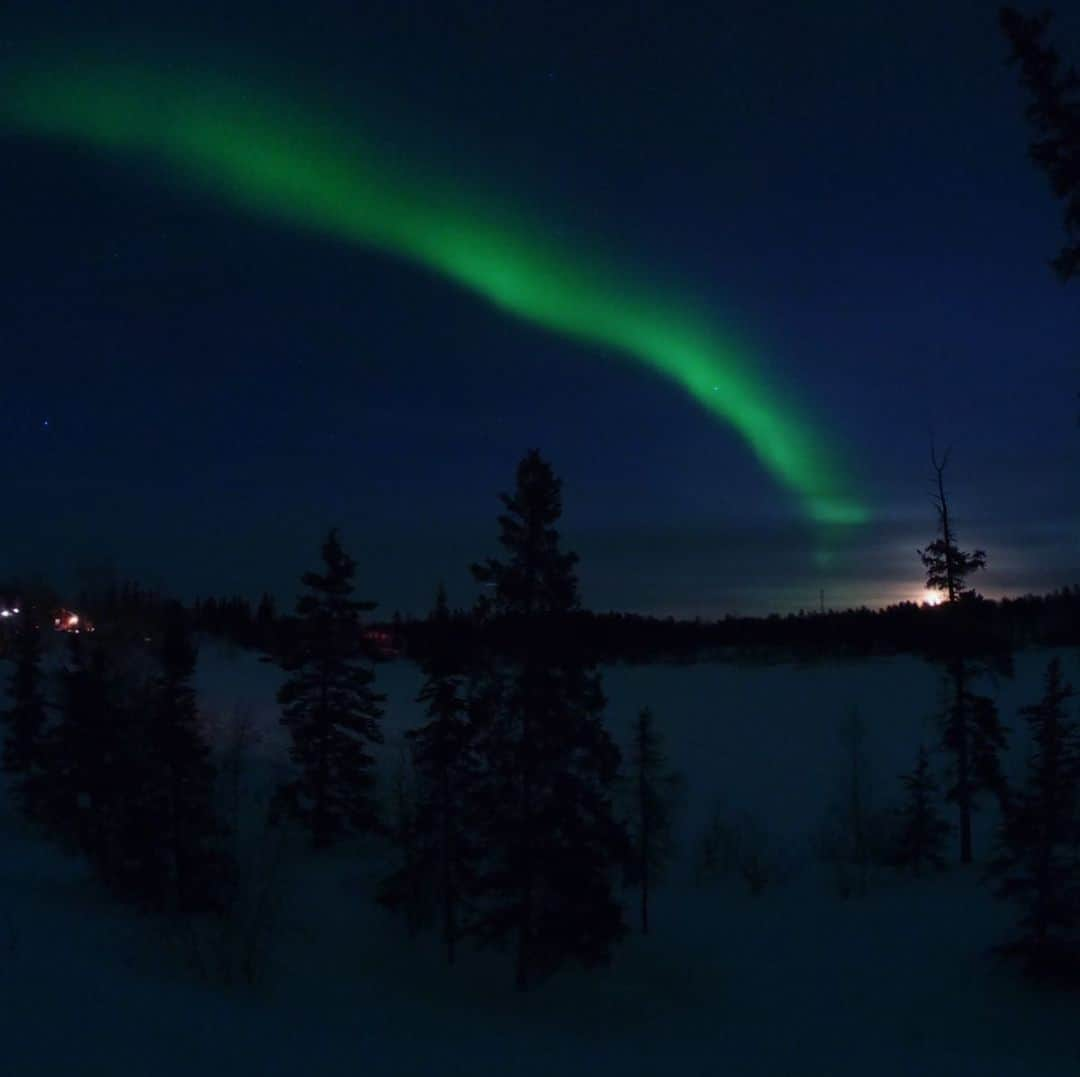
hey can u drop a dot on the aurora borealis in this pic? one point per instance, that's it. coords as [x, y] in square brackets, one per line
[276, 267]
[264, 153]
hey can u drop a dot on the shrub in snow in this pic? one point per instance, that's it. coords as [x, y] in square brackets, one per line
[238, 944]
[919, 842]
[853, 838]
[740, 848]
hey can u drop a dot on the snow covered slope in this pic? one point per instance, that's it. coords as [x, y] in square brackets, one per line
[794, 982]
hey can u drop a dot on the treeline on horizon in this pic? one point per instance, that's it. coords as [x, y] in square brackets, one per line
[1003, 625]
[990, 626]
[995, 625]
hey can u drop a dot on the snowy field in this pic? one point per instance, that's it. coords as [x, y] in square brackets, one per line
[796, 981]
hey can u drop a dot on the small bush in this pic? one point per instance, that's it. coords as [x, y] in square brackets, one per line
[740, 848]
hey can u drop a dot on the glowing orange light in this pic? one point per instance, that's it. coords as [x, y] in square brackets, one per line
[69, 621]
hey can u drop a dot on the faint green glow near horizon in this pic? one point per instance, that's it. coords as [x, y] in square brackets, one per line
[265, 155]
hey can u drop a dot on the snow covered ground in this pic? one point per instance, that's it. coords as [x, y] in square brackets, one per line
[794, 982]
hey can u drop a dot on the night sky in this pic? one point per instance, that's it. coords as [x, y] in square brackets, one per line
[196, 386]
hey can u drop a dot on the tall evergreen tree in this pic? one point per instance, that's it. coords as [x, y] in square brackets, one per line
[1038, 861]
[974, 737]
[989, 739]
[440, 854]
[947, 566]
[1054, 113]
[922, 831]
[971, 730]
[81, 803]
[654, 790]
[24, 748]
[179, 847]
[329, 704]
[550, 836]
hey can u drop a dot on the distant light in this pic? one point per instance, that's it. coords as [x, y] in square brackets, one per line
[15, 610]
[5, 613]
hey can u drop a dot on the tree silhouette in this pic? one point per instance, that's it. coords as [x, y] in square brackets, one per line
[447, 770]
[329, 705]
[973, 735]
[922, 831]
[1053, 111]
[24, 748]
[654, 791]
[550, 837]
[179, 843]
[82, 803]
[971, 732]
[947, 566]
[1037, 866]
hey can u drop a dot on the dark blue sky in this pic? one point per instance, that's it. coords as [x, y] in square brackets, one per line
[845, 185]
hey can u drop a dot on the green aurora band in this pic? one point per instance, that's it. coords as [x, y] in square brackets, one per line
[268, 157]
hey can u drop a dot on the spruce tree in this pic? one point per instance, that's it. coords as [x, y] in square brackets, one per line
[81, 805]
[24, 749]
[550, 837]
[438, 851]
[99, 768]
[947, 566]
[922, 831]
[329, 705]
[974, 736]
[989, 739]
[180, 851]
[1053, 111]
[971, 730]
[1037, 866]
[654, 789]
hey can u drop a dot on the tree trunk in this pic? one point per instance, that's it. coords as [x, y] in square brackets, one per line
[449, 928]
[525, 903]
[524, 940]
[963, 763]
[643, 852]
[319, 828]
[645, 902]
[946, 532]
